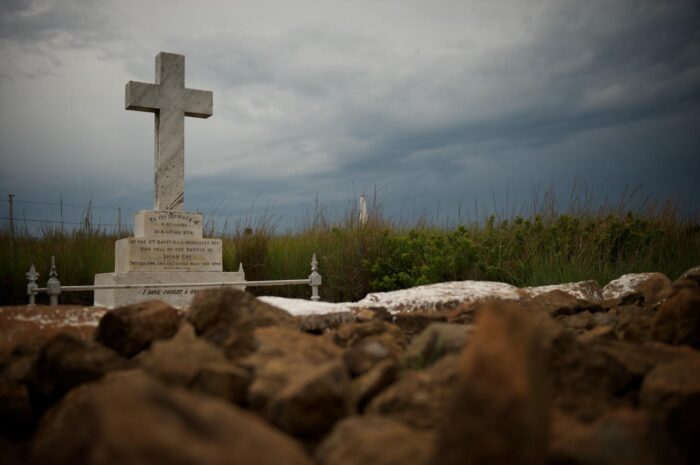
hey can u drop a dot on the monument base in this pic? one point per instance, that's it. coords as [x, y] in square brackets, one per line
[175, 296]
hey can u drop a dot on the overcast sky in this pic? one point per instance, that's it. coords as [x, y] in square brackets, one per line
[436, 103]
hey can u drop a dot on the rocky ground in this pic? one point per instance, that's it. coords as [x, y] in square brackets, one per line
[453, 374]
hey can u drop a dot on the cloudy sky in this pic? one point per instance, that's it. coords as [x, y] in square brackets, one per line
[435, 104]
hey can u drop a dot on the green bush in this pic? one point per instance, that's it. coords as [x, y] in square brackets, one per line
[421, 257]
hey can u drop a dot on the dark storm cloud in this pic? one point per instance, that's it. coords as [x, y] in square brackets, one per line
[457, 101]
[31, 20]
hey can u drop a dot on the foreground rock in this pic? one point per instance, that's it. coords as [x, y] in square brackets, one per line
[362, 440]
[194, 363]
[129, 330]
[227, 317]
[678, 319]
[300, 382]
[650, 287]
[65, 362]
[500, 412]
[671, 393]
[128, 417]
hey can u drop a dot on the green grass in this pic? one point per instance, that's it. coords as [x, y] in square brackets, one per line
[545, 246]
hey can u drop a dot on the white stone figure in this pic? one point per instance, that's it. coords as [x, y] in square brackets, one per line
[363, 210]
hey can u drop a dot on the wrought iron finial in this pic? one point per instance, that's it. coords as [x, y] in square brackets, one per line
[32, 277]
[53, 285]
[53, 273]
[315, 279]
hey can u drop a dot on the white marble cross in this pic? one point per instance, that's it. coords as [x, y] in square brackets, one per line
[171, 102]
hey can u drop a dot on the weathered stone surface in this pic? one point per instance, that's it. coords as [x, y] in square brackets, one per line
[633, 322]
[179, 297]
[599, 332]
[587, 291]
[557, 302]
[620, 437]
[178, 360]
[16, 418]
[678, 319]
[32, 326]
[586, 381]
[419, 398]
[390, 336]
[690, 278]
[500, 412]
[415, 323]
[300, 382]
[319, 324]
[129, 330]
[171, 101]
[653, 287]
[375, 440]
[65, 362]
[435, 341]
[366, 354]
[578, 322]
[671, 394]
[224, 380]
[129, 417]
[168, 224]
[313, 401]
[191, 362]
[369, 384]
[133, 254]
[227, 318]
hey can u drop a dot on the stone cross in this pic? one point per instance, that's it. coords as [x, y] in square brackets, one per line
[171, 102]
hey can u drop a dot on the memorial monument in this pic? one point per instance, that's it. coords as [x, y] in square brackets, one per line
[167, 246]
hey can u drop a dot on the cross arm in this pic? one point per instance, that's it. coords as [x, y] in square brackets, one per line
[199, 103]
[142, 96]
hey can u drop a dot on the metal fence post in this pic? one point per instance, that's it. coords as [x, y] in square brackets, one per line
[315, 279]
[53, 285]
[32, 276]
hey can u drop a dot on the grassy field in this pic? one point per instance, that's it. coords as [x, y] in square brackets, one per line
[544, 246]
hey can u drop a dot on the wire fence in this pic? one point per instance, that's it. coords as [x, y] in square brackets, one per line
[61, 214]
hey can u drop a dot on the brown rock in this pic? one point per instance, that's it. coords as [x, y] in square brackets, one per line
[313, 401]
[227, 317]
[419, 398]
[65, 362]
[351, 334]
[579, 322]
[375, 440]
[128, 417]
[366, 354]
[690, 278]
[586, 381]
[599, 332]
[559, 302]
[678, 319]
[435, 341]
[319, 324]
[620, 437]
[652, 287]
[369, 384]
[500, 412]
[671, 394]
[297, 375]
[130, 329]
[414, 323]
[634, 322]
[194, 363]
[16, 419]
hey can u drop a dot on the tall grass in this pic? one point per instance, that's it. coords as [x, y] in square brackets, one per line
[537, 245]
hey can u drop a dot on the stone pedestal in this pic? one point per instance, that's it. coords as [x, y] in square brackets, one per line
[167, 248]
